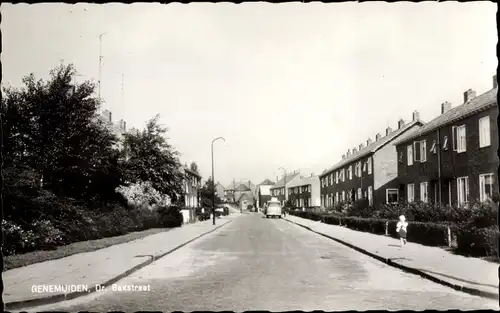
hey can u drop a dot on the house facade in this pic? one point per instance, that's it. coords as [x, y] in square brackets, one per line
[219, 191]
[279, 190]
[367, 172]
[234, 190]
[192, 185]
[453, 159]
[305, 192]
[118, 129]
[263, 192]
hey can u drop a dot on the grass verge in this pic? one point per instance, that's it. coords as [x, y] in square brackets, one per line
[20, 260]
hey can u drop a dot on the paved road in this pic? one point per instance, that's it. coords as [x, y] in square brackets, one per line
[255, 263]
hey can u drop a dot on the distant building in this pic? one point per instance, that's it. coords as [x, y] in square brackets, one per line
[305, 192]
[279, 190]
[219, 191]
[263, 192]
[192, 185]
[118, 129]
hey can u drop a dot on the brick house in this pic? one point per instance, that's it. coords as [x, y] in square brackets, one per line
[234, 190]
[368, 172]
[453, 158]
[305, 192]
[192, 185]
[264, 192]
[278, 190]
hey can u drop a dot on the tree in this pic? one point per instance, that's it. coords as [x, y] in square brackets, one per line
[52, 127]
[194, 167]
[147, 156]
[206, 194]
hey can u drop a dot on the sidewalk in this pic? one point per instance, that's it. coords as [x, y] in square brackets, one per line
[471, 275]
[101, 267]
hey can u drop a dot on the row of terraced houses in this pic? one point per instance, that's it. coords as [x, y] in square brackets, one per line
[451, 159]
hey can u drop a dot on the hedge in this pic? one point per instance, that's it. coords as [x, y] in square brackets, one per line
[371, 225]
[478, 241]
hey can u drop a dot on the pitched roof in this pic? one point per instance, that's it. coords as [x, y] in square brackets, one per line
[304, 181]
[246, 195]
[281, 182]
[267, 182]
[373, 147]
[190, 171]
[475, 105]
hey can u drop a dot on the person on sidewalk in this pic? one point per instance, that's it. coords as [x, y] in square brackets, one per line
[401, 228]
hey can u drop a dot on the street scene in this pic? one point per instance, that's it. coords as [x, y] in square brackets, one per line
[253, 156]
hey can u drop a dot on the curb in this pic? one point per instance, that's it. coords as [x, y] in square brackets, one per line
[22, 304]
[472, 291]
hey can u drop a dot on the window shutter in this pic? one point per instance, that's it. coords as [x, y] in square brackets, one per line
[416, 150]
[464, 138]
[454, 137]
[423, 148]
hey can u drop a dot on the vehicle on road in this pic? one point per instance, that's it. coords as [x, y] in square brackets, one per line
[274, 209]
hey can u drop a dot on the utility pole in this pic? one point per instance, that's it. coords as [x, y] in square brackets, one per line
[100, 61]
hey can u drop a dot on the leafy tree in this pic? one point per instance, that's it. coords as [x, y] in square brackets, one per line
[194, 167]
[207, 193]
[52, 127]
[147, 156]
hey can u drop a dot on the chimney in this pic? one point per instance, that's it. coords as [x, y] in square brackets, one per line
[388, 130]
[361, 146]
[495, 83]
[349, 152]
[469, 95]
[377, 137]
[354, 150]
[368, 142]
[416, 116]
[343, 156]
[445, 107]
[401, 123]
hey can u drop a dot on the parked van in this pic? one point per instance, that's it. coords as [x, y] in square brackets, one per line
[273, 209]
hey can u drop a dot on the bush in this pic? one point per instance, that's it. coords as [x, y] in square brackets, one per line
[170, 216]
[332, 219]
[360, 208]
[478, 241]
[204, 216]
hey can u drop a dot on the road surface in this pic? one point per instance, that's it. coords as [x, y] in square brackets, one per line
[255, 263]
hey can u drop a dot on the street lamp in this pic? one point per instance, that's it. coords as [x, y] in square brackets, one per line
[284, 173]
[213, 178]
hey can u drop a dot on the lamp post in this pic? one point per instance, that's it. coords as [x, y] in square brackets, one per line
[213, 178]
[284, 173]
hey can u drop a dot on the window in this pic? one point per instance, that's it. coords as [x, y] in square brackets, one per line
[343, 175]
[391, 195]
[337, 197]
[459, 138]
[401, 154]
[360, 173]
[309, 188]
[484, 132]
[349, 172]
[419, 151]
[337, 177]
[331, 199]
[433, 147]
[370, 197]
[360, 195]
[343, 195]
[410, 155]
[445, 143]
[423, 192]
[411, 192]
[462, 190]
[423, 151]
[369, 166]
[485, 187]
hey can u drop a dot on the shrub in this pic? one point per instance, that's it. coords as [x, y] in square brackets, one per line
[483, 215]
[360, 208]
[170, 216]
[478, 241]
[46, 234]
[142, 194]
[332, 219]
[16, 239]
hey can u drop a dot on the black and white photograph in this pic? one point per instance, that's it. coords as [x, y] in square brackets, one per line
[249, 156]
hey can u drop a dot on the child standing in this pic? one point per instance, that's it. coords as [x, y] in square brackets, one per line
[401, 228]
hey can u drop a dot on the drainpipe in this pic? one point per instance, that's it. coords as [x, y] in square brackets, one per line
[438, 147]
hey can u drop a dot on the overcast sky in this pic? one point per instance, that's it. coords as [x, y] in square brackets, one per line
[292, 85]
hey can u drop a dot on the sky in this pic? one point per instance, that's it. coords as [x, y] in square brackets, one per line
[289, 85]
